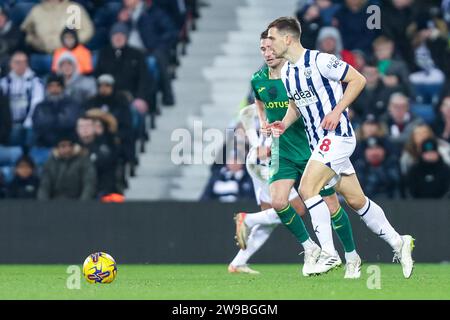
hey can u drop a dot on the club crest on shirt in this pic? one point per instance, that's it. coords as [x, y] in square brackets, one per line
[307, 73]
[273, 92]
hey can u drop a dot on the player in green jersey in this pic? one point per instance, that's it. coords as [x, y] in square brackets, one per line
[289, 155]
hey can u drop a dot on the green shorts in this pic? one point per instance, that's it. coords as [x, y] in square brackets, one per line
[287, 169]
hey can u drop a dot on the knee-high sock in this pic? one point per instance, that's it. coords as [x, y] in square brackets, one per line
[320, 218]
[258, 236]
[266, 217]
[295, 224]
[374, 217]
[341, 224]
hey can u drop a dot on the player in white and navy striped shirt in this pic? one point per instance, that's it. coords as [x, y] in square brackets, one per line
[313, 81]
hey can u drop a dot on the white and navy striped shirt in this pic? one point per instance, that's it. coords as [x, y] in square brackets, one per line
[314, 83]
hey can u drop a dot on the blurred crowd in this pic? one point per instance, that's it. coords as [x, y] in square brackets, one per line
[402, 117]
[81, 85]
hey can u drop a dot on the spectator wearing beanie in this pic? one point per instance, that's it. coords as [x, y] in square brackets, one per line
[153, 32]
[115, 102]
[329, 41]
[70, 43]
[53, 117]
[128, 67]
[79, 87]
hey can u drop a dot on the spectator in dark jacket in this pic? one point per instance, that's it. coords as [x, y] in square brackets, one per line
[128, 67]
[5, 119]
[441, 127]
[53, 117]
[431, 53]
[153, 32]
[351, 20]
[8, 154]
[430, 178]
[25, 182]
[110, 100]
[102, 154]
[378, 172]
[176, 9]
[230, 183]
[68, 174]
[375, 96]
[11, 38]
[396, 18]
[311, 22]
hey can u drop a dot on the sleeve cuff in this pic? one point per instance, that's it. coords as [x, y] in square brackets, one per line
[345, 72]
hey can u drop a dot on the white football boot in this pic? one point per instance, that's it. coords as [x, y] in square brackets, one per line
[353, 268]
[311, 256]
[326, 262]
[405, 255]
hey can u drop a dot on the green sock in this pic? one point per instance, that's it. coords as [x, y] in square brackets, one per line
[341, 224]
[294, 223]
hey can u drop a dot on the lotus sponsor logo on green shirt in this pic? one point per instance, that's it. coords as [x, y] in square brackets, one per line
[277, 104]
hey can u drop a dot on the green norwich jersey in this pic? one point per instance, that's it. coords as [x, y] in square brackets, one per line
[293, 143]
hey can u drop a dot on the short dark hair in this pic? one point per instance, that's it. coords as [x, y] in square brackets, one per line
[264, 34]
[26, 159]
[287, 24]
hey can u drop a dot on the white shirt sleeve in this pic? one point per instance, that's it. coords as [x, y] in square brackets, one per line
[331, 67]
[284, 78]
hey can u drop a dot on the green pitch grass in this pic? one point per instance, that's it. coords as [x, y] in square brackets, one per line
[202, 282]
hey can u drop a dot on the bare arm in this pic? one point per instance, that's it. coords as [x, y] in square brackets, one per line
[260, 111]
[292, 115]
[263, 123]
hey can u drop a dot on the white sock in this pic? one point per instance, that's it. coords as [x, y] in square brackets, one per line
[308, 244]
[265, 217]
[374, 217]
[258, 236]
[321, 220]
[349, 256]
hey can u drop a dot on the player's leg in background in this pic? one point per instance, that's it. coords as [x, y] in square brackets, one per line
[299, 206]
[374, 217]
[279, 191]
[259, 233]
[341, 225]
[343, 228]
[266, 216]
[315, 177]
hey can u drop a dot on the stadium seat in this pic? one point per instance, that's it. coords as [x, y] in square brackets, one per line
[41, 63]
[20, 10]
[153, 67]
[424, 111]
[427, 93]
[94, 58]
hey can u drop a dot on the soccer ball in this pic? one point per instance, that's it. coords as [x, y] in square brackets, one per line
[99, 267]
